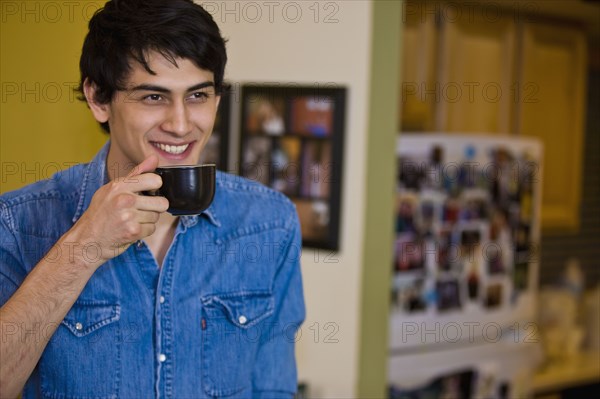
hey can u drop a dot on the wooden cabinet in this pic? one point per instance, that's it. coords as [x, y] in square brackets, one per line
[476, 72]
[418, 73]
[551, 106]
[466, 70]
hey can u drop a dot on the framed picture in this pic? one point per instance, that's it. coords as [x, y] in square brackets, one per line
[292, 140]
[217, 147]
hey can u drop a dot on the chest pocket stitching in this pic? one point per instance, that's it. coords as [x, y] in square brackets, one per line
[91, 316]
[253, 306]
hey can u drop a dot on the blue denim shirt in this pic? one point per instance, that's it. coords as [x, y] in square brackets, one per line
[218, 319]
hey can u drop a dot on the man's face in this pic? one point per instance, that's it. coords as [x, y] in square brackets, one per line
[170, 114]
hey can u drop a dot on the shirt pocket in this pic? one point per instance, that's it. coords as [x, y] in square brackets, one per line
[82, 360]
[233, 326]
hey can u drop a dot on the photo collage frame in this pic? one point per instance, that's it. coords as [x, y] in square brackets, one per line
[292, 141]
[463, 228]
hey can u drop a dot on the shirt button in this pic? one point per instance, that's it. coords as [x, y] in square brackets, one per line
[242, 319]
[161, 299]
[139, 243]
[162, 357]
[78, 326]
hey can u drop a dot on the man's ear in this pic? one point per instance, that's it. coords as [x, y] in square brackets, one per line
[100, 111]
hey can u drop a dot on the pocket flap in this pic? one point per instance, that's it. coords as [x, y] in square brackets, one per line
[87, 317]
[242, 309]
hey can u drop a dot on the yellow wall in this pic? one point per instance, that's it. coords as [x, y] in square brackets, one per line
[42, 124]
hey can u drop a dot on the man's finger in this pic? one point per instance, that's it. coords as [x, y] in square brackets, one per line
[147, 165]
[153, 204]
[148, 217]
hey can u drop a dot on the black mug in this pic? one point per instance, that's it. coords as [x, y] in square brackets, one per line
[190, 189]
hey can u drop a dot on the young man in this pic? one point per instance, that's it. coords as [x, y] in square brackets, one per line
[104, 294]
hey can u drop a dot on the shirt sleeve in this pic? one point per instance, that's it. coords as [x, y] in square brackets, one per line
[12, 273]
[275, 374]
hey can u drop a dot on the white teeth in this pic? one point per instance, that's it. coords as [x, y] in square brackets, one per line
[172, 149]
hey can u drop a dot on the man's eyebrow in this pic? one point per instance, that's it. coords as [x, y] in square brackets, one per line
[160, 89]
[201, 86]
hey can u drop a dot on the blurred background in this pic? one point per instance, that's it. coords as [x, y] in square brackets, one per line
[501, 83]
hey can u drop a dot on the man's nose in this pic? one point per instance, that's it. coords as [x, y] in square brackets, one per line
[178, 121]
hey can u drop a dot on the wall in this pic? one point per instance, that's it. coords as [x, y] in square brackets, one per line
[42, 125]
[380, 193]
[308, 52]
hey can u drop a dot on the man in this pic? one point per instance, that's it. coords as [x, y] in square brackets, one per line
[104, 294]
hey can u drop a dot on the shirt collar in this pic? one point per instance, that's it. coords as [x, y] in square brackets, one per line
[95, 176]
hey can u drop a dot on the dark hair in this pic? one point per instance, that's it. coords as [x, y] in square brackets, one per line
[126, 30]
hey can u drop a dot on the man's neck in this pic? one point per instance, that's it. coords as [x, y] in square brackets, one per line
[160, 241]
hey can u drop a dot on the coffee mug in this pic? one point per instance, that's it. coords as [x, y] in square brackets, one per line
[190, 189]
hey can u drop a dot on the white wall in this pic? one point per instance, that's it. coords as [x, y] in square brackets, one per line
[265, 45]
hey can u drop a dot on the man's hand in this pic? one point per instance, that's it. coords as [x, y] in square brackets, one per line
[118, 215]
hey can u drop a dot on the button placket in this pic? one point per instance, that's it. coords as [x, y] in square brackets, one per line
[164, 329]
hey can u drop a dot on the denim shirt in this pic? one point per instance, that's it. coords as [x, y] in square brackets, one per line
[218, 319]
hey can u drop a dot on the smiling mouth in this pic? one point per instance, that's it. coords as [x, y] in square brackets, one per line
[171, 149]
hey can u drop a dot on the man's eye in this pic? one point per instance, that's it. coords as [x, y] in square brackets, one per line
[199, 95]
[153, 97]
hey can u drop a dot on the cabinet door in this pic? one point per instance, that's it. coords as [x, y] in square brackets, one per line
[476, 73]
[419, 41]
[551, 107]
